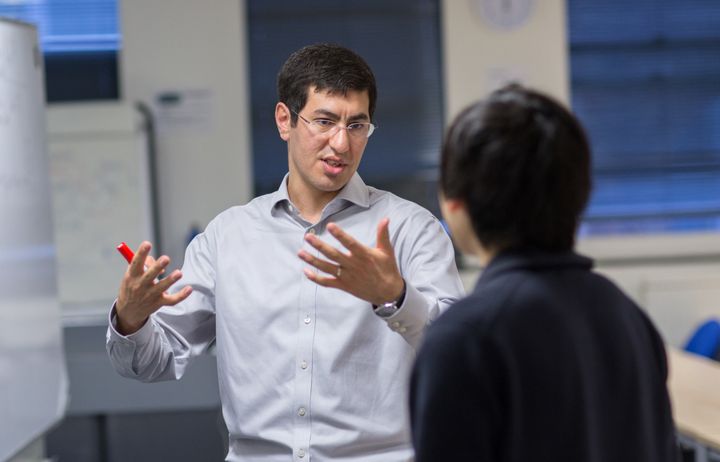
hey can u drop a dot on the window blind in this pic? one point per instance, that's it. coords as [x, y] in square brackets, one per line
[645, 82]
[80, 40]
[69, 25]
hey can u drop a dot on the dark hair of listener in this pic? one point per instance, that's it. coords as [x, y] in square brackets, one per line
[521, 163]
[327, 67]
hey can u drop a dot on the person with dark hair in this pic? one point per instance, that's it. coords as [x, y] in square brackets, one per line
[316, 296]
[545, 360]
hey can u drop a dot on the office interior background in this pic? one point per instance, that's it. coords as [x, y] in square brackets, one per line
[642, 76]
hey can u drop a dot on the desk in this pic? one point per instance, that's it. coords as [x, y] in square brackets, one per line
[694, 385]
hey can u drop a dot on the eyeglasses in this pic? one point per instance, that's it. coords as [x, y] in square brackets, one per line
[357, 130]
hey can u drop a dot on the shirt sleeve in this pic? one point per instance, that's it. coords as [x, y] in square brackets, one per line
[173, 335]
[426, 259]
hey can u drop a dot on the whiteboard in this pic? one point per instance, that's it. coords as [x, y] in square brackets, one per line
[33, 379]
[101, 196]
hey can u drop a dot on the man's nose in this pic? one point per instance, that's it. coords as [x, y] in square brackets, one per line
[340, 140]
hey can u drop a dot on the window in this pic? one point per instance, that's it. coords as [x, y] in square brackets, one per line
[401, 42]
[80, 40]
[645, 81]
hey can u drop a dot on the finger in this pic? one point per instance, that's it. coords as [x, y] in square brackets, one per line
[165, 284]
[174, 299]
[345, 239]
[137, 265]
[321, 280]
[150, 261]
[326, 249]
[158, 267]
[323, 265]
[383, 236]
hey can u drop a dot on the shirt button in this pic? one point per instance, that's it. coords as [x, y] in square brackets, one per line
[307, 320]
[301, 453]
[301, 411]
[395, 324]
[402, 330]
[303, 365]
[311, 231]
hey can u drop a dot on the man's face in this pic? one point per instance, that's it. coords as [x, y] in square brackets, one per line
[324, 162]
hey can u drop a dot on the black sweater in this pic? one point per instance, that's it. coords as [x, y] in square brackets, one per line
[544, 361]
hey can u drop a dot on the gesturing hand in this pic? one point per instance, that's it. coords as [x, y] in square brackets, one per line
[368, 273]
[141, 294]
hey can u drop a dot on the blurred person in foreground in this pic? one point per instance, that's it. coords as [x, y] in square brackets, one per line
[545, 360]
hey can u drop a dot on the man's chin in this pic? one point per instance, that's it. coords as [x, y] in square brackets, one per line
[334, 183]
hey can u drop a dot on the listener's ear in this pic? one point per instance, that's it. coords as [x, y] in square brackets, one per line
[283, 120]
[454, 205]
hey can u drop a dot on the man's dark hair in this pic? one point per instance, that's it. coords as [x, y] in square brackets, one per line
[327, 67]
[520, 162]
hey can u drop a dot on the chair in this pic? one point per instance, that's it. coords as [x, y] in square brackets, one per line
[705, 341]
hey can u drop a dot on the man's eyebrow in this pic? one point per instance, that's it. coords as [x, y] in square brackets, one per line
[332, 116]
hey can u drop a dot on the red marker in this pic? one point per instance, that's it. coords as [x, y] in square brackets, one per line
[126, 252]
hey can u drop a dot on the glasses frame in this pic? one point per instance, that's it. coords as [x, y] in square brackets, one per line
[330, 132]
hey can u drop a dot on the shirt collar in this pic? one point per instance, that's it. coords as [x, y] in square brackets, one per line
[281, 194]
[355, 192]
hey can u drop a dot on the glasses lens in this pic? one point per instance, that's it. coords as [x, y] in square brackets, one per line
[358, 130]
[324, 126]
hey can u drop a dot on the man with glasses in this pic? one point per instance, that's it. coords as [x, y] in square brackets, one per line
[316, 295]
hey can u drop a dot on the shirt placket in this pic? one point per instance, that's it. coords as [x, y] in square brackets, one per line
[304, 362]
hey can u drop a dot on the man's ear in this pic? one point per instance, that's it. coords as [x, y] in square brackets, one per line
[283, 120]
[454, 205]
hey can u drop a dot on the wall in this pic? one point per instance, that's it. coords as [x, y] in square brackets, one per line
[197, 50]
[479, 57]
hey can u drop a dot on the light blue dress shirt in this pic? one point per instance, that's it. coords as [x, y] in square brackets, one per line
[305, 372]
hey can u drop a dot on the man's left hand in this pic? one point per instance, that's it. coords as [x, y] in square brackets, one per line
[368, 273]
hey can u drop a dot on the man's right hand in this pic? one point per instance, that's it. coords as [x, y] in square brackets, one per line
[141, 294]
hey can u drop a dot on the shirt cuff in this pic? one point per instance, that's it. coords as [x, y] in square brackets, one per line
[140, 337]
[412, 316]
